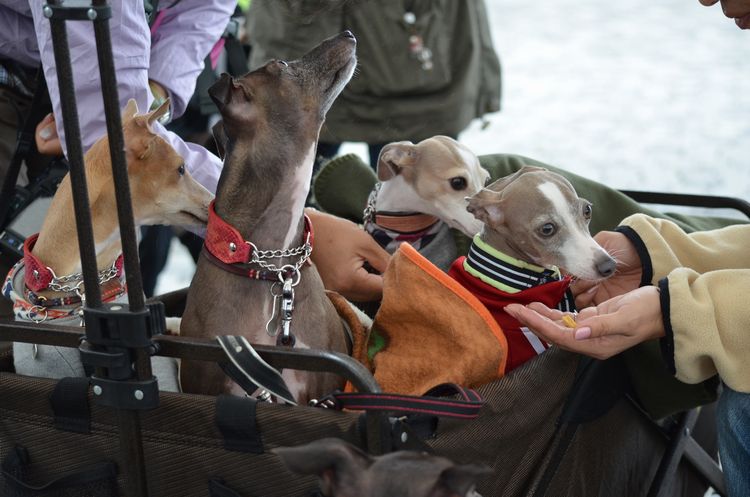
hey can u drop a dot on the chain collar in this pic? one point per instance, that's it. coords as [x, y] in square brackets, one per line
[228, 247]
[368, 216]
[39, 277]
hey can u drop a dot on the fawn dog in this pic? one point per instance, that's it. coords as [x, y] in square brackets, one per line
[534, 222]
[346, 471]
[257, 228]
[422, 193]
[46, 285]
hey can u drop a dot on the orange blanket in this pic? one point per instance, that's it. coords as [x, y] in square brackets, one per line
[430, 330]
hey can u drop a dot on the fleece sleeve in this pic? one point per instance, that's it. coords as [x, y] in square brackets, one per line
[704, 278]
[708, 325]
[663, 247]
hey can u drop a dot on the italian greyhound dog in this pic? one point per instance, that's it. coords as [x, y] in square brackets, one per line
[346, 471]
[254, 269]
[421, 194]
[534, 223]
[47, 285]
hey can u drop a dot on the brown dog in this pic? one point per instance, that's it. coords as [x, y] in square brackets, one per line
[346, 471]
[46, 285]
[271, 120]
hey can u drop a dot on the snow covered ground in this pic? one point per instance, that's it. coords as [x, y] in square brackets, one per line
[637, 95]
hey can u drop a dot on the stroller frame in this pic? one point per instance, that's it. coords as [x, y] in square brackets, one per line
[133, 334]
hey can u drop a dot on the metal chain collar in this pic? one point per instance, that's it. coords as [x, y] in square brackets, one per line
[303, 251]
[63, 283]
[368, 216]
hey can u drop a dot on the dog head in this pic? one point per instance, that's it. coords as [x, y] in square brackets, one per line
[346, 471]
[536, 216]
[287, 98]
[162, 189]
[434, 177]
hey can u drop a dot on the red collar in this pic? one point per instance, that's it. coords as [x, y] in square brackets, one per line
[38, 276]
[227, 245]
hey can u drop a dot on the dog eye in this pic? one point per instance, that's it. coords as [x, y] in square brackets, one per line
[181, 170]
[587, 211]
[547, 230]
[458, 183]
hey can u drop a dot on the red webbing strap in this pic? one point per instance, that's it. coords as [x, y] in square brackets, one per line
[433, 403]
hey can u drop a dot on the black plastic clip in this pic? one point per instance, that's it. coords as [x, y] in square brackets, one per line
[129, 394]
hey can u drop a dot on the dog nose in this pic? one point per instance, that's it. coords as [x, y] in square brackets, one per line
[347, 34]
[606, 267]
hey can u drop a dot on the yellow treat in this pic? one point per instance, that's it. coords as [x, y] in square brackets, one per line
[568, 321]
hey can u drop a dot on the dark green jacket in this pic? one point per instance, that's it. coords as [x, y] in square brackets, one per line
[390, 97]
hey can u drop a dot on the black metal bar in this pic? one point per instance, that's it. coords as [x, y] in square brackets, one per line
[136, 298]
[707, 468]
[673, 454]
[205, 350]
[131, 443]
[71, 125]
[690, 200]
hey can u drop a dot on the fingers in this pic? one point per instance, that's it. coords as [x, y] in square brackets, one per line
[367, 287]
[708, 3]
[375, 254]
[47, 141]
[585, 292]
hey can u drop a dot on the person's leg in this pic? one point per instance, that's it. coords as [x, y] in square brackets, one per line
[733, 425]
[153, 252]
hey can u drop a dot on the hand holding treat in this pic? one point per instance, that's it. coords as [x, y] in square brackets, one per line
[601, 331]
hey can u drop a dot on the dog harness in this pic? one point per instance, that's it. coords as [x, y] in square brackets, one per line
[497, 280]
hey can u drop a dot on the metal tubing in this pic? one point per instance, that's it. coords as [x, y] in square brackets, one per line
[205, 350]
[131, 444]
[75, 158]
[119, 164]
[128, 237]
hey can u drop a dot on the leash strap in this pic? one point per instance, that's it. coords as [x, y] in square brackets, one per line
[433, 403]
[250, 371]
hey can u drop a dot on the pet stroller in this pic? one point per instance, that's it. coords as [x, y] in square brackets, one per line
[559, 425]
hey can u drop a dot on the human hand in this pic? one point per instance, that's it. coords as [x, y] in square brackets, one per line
[340, 252]
[601, 331]
[47, 141]
[739, 10]
[627, 276]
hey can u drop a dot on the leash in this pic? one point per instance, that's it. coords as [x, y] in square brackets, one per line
[435, 402]
[251, 372]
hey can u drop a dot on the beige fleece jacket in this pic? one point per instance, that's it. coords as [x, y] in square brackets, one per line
[708, 289]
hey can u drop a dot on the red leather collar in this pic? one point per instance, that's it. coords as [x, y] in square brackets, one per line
[38, 276]
[227, 245]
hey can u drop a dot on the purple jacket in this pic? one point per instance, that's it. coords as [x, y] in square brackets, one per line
[173, 57]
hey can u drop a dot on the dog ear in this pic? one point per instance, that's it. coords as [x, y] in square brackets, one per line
[458, 481]
[336, 462]
[486, 205]
[395, 156]
[501, 183]
[158, 112]
[220, 137]
[150, 145]
[130, 110]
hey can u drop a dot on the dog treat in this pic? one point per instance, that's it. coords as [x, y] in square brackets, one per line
[569, 321]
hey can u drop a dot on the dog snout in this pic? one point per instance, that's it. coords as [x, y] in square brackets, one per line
[606, 267]
[348, 34]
